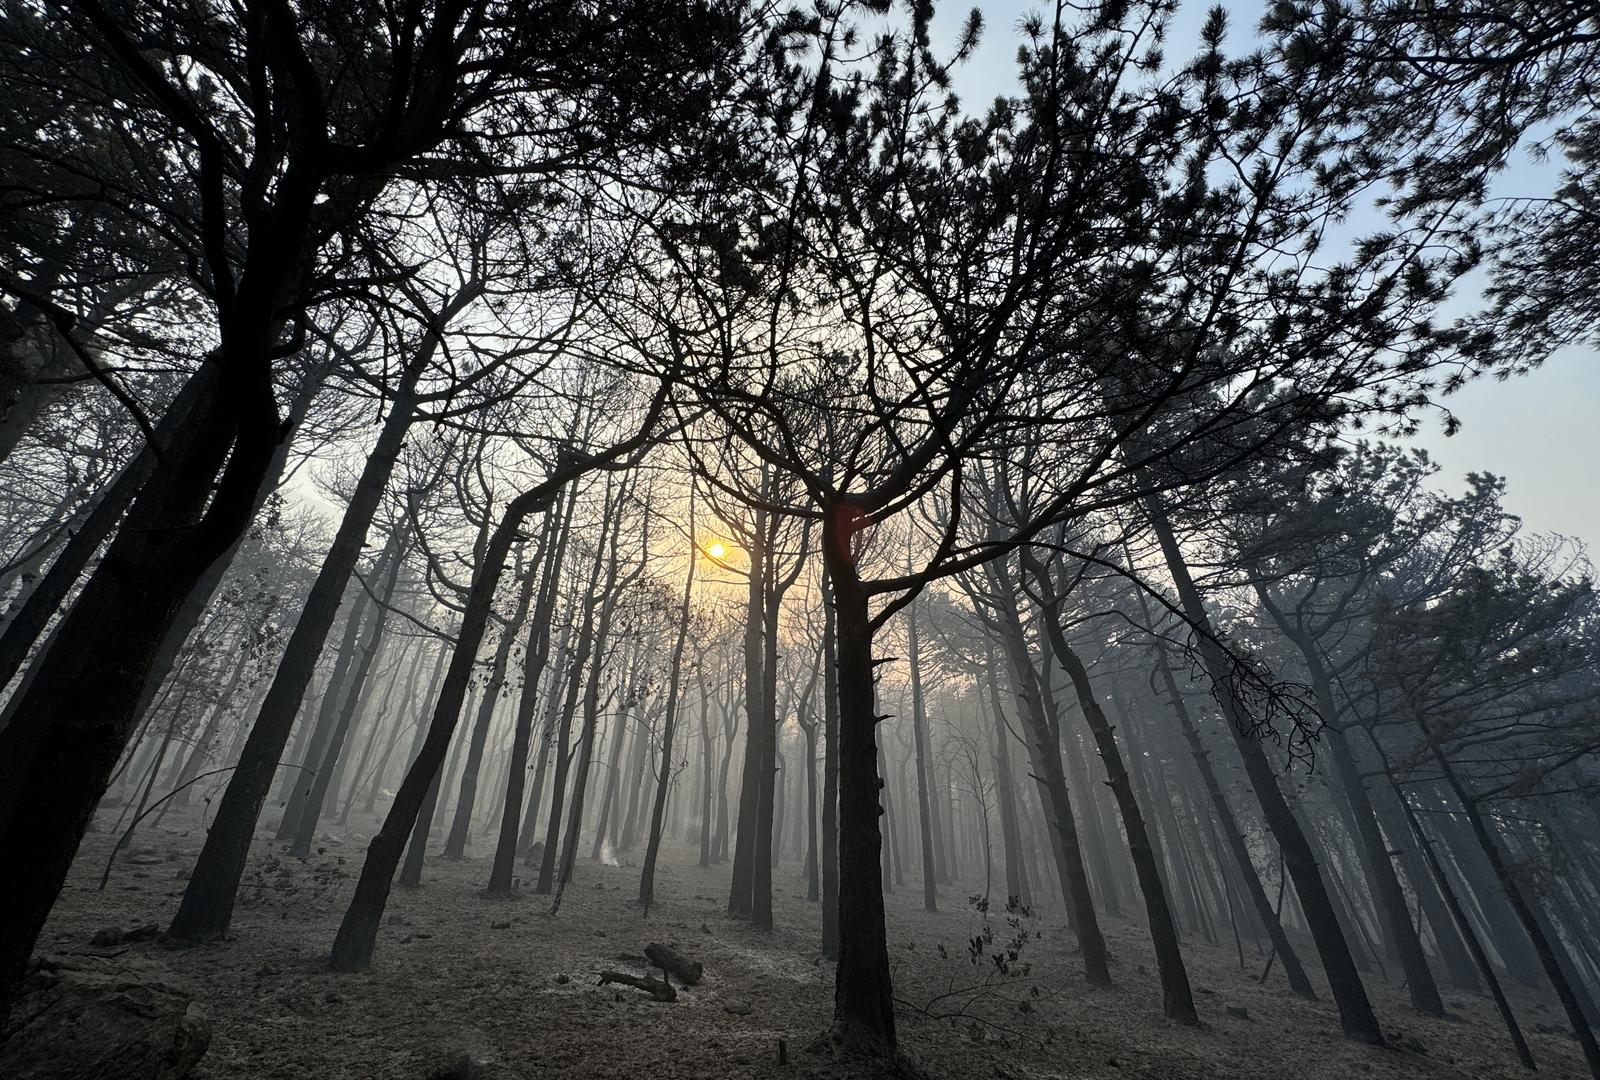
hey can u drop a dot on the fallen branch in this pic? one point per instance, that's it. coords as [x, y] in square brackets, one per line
[660, 989]
[152, 808]
[669, 959]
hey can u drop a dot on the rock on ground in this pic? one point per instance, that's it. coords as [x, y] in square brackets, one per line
[99, 1018]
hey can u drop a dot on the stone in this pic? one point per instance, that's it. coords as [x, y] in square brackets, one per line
[1238, 1012]
[98, 1018]
[738, 1008]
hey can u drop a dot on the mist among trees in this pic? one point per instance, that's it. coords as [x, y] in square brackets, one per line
[671, 537]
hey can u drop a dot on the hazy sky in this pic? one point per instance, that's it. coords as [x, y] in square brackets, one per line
[1541, 432]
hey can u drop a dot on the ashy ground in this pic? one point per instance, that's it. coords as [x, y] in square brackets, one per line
[515, 987]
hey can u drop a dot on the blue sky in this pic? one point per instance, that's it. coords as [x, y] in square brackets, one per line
[1541, 431]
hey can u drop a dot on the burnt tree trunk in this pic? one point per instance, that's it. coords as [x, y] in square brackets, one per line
[707, 771]
[1543, 945]
[1176, 997]
[1233, 836]
[647, 877]
[334, 693]
[863, 999]
[1387, 894]
[455, 845]
[416, 854]
[528, 837]
[813, 882]
[78, 707]
[1458, 959]
[730, 730]
[1344, 980]
[1471, 942]
[536, 656]
[358, 932]
[368, 780]
[23, 629]
[604, 825]
[741, 891]
[311, 812]
[830, 774]
[202, 744]
[1044, 748]
[591, 705]
[926, 819]
[1010, 834]
[207, 905]
[562, 748]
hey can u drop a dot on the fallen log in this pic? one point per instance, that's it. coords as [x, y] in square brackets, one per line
[671, 960]
[659, 989]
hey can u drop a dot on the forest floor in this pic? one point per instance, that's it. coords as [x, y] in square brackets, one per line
[516, 988]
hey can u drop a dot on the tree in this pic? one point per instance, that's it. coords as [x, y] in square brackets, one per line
[1453, 91]
[352, 948]
[274, 168]
[668, 726]
[1507, 631]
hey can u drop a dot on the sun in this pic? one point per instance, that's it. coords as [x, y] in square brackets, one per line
[717, 549]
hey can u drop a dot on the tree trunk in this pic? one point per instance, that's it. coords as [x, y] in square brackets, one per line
[368, 779]
[1010, 835]
[1387, 894]
[557, 684]
[73, 717]
[813, 884]
[1501, 925]
[536, 657]
[919, 730]
[639, 763]
[1249, 877]
[863, 1000]
[207, 905]
[358, 932]
[1458, 960]
[647, 876]
[1344, 981]
[591, 711]
[741, 891]
[339, 688]
[455, 847]
[201, 749]
[763, 855]
[730, 728]
[830, 774]
[604, 826]
[1470, 940]
[306, 829]
[1044, 747]
[1543, 945]
[1176, 997]
[24, 627]
[563, 744]
[707, 771]
[1179, 877]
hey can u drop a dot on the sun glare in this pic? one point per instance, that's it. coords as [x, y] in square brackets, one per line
[717, 550]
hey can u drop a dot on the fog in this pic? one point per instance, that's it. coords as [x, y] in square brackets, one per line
[731, 539]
